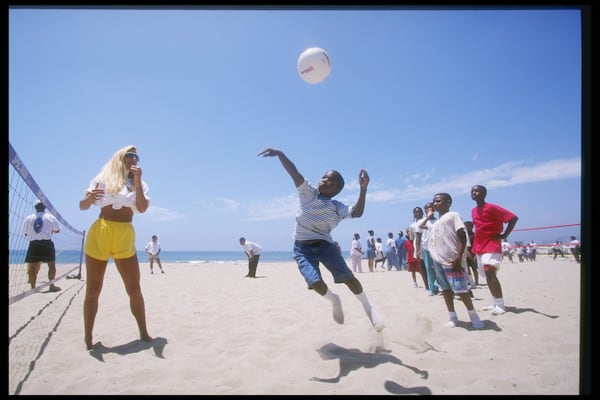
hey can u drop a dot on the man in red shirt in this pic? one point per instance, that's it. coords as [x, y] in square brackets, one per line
[489, 220]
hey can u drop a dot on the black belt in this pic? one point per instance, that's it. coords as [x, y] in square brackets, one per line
[311, 243]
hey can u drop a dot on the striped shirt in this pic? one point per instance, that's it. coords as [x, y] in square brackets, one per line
[317, 214]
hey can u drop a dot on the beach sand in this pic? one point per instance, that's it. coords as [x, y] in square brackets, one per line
[219, 333]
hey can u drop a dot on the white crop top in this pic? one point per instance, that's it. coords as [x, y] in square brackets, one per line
[124, 198]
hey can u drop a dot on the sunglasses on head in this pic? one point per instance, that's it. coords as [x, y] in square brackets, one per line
[130, 154]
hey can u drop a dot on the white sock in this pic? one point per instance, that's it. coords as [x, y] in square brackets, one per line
[362, 296]
[473, 315]
[452, 316]
[499, 302]
[376, 319]
[338, 313]
[332, 297]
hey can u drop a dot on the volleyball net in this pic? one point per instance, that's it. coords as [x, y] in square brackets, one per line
[33, 319]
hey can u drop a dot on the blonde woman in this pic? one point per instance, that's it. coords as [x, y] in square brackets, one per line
[119, 191]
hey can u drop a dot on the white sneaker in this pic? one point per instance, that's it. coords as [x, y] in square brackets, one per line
[376, 320]
[489, 308]
[477, 324]
[498, 311]
[415, 284]
[451, 324]
[338, 313]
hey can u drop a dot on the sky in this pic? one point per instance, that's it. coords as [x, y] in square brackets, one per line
[426, 100]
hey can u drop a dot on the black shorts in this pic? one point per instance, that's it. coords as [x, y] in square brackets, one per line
[40, 251]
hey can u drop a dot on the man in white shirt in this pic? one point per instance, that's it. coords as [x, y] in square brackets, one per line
[253, 251]
[38, 228]
[153, 250]
[575, 246]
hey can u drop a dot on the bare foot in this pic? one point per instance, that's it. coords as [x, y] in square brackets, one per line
[146, 338]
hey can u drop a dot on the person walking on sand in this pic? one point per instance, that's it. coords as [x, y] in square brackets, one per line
[119, 191]
[38, 228]
[253, 251]
[489, 220]
[412, 262]
[317, 216]
[448, 246]
[153, 250]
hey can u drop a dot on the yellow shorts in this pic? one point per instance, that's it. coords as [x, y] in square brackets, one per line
[107, 239]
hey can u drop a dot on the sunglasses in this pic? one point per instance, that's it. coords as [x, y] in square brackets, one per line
[132, 155]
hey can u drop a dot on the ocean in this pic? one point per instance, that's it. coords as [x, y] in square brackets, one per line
[74, 256]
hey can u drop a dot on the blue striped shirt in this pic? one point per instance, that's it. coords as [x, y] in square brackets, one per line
[318, 215]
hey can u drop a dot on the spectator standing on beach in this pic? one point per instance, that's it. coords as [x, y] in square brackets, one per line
[38, 228]
[575, 246]
[532, 250]
[401, 250]
[391, 253]
[153, 250]
[379, 254]
[253, 251]
[521, 253]
[119, 191]
[317, 216]
[413, 264]
[425, 224]
[557, 250]
[371, 249]
[417, 233]
[489, 220]
[356, 253]
[448, 246]
[507, 250]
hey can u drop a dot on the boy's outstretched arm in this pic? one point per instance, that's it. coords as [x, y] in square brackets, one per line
[359, 207]
[287, 164]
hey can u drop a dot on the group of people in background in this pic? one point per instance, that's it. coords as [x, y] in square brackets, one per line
[448, 254]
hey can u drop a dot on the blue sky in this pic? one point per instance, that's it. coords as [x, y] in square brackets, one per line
[426, 100]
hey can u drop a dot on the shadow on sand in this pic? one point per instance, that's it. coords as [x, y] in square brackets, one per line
[354, 359]
[157, 344]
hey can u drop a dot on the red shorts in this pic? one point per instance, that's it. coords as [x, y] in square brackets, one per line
[414, 266]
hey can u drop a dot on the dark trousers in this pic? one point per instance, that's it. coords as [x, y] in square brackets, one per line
[252, 265]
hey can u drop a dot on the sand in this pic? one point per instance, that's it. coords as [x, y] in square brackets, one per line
[219, 333]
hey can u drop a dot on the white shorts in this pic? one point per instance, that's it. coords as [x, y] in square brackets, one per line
[488, 259]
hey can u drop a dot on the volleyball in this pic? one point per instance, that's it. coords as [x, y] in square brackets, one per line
[314, 65]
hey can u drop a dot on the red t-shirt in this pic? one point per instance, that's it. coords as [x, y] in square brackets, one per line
[488, 221]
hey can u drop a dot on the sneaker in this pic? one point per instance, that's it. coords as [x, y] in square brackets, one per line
[162, 272]
[54, 288]
[488, 308]
[451, 324]
[376, 320]
[415, 285]
[338, 313]
[498, 311]
[478, 324]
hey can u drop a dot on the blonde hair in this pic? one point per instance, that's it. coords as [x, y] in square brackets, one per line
[114, 173]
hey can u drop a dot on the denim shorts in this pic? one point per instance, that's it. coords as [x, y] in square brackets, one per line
[448, 279]
[310, 256]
